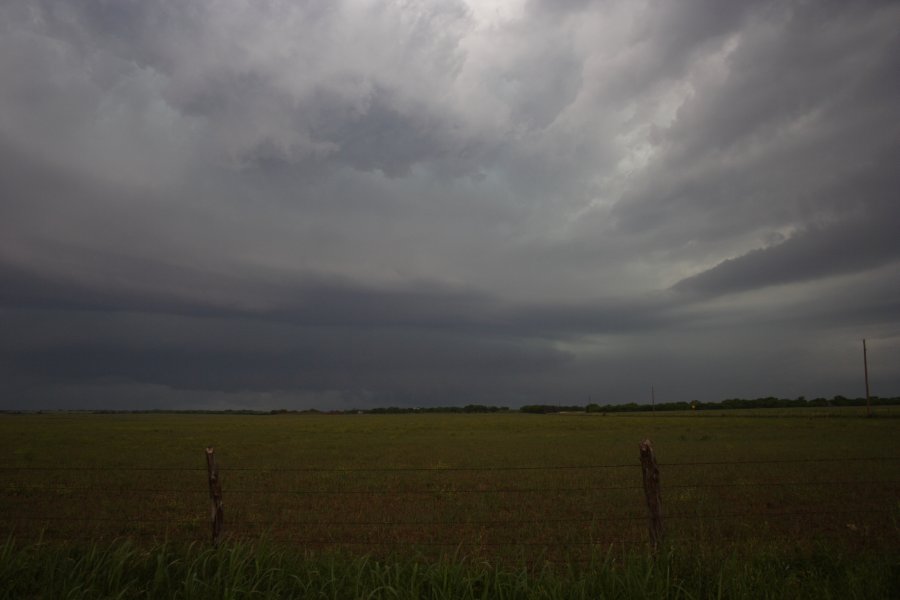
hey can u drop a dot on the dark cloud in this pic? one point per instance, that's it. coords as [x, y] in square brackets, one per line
[330, 204]
[315, 359]
[849, 246]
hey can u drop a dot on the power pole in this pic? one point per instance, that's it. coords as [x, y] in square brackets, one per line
[652, 398]
[866, 372]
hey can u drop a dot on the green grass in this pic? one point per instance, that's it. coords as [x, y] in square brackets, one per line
[124, 570]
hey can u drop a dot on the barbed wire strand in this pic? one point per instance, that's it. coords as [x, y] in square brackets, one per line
[480, 522]
[225, 468]
[548, 490]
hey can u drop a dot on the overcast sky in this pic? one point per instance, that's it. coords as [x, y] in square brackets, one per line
[292, 204]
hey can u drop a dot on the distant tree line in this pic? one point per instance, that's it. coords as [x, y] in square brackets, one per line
[731, 403]
[543, 409]
[468, 408]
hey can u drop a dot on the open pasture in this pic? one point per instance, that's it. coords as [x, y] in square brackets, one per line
[498, 486]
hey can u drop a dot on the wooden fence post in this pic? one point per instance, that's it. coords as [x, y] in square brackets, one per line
[650, 471]
[215, 495]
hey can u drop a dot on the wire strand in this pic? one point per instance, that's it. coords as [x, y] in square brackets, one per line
[223, 468]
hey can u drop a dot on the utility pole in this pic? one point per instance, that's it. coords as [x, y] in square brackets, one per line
[652, 398]
[866, 372]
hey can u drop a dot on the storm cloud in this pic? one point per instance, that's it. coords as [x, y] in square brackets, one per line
[348, 204]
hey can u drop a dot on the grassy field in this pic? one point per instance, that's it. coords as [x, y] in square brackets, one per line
[239, 570]
[520, 493]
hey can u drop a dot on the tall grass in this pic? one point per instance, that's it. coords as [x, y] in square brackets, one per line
[125, 570]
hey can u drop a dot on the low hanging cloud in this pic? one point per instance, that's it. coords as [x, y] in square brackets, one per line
[344, 204]
[850, 246]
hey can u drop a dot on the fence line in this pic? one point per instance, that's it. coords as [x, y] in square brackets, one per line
[430, 492]
[546, 532]
[492, 522]
[457, 468]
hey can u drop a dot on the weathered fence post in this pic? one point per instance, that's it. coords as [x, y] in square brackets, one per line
[650, 470]
[215, 495]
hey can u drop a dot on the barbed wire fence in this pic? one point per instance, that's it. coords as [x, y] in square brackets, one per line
[550, 511]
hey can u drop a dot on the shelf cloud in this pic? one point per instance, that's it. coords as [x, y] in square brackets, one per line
[349, 204]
